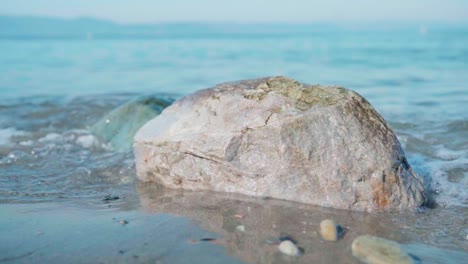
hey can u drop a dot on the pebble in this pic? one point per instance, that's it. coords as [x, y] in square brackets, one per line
[123, 222]
[330, 230]
[287, 247]
[110, 198]
[240, 228]
[376, 250]
[207, 239]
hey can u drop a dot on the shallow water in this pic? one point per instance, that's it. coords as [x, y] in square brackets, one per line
[53, 90]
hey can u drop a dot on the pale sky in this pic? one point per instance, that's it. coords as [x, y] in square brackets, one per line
[147, 11]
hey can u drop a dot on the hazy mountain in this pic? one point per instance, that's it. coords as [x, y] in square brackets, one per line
[52, 27]
[45, 27]
[17, 27]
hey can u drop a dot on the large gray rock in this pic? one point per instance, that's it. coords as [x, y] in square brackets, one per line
[275, 137]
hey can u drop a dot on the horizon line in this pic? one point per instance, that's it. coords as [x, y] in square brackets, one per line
[264, 22]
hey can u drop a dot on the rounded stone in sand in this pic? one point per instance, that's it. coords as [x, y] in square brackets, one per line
[287, 247]
[376, 250]
[329, 230]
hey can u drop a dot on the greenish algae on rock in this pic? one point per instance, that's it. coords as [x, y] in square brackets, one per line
[306, 95]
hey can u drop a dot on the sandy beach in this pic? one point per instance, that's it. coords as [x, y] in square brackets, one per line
[169, 226]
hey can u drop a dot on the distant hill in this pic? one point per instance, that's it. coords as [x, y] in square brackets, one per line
[20, 27]
[52, 27]
[82, 28]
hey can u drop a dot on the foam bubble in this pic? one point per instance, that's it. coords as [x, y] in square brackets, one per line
[87, 141]
[51, 137]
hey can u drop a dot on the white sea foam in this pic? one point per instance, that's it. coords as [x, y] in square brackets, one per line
[447, 154]
[26, 143]
[447, 192]
[51, 137]
[87, 141]
[79, 137]
[7, 133]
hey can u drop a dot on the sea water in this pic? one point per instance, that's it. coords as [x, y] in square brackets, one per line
[53, 89]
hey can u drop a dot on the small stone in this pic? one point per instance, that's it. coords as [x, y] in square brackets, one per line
[376, 250]
[123, 222]
[287, 247]
[110, 198]
[207, 239]
[240, 228]
[330, 230]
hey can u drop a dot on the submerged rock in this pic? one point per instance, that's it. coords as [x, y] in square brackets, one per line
[119, 126]
[275, 137]
[376, 250]
[240, 228]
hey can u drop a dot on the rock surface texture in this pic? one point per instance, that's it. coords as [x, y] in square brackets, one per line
[275, 137]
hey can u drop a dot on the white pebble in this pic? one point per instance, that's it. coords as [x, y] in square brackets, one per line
[287, 247]
[240, 228]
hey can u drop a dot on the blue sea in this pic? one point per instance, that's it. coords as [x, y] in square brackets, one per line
[54, 85]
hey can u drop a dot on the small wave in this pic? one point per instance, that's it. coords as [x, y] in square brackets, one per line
[445, 173]
[449, 182]
[458, 126]
[52, 153]
[444, 153]
[62, 165]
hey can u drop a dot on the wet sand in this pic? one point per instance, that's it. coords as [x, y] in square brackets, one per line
[170, 226]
